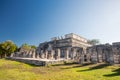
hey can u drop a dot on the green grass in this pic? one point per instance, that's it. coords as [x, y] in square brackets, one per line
[12, 70]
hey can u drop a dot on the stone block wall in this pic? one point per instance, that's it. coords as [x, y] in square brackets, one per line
[104, 53]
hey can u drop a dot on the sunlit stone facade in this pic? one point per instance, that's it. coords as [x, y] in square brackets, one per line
[71, 46]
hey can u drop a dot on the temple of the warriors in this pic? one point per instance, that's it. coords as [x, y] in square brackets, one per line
[71, 46]
[75, 48]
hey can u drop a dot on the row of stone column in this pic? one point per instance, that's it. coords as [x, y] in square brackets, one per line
[25, 54]
[66, 53]
[104, 53]
[51, 54]
[74, 54]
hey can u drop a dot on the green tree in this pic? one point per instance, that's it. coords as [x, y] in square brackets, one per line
[33, 46]
[94, 41]
[25, 46]
[7, 47]
[1, 53]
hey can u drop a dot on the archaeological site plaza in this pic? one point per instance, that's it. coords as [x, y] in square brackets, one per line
[71, 47]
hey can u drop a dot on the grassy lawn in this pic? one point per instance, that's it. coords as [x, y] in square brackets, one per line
[12, 70]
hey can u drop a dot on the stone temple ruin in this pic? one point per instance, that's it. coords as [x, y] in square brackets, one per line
[71, 47]
[104, 53]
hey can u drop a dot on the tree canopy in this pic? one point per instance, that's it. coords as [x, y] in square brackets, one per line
[25, 46]
[7, 47]
[94, 41]
[33, 46]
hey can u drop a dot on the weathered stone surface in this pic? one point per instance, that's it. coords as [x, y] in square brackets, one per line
[105, 53]
[75, 48]
[66, 53]
[39, 62]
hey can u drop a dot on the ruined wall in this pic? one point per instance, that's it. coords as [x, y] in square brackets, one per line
[94, 54]
[31, 53]
[73, 47]
[104, 53]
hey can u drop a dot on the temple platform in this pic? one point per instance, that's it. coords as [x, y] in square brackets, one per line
[38, 62]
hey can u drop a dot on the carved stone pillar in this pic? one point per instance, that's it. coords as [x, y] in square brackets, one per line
[99, 54]
[58, 51]
[66, 53]
[46, 54]
[42, 55]
[33, 52]
[37, 53]
[57, 54]
[115, 52]
[72, 53]
[84, 50]
[41, 52]
[30, 54]
[94, 56]
[38, 56]
[52, 54]
[12, 55]
[81, 59]
[88, 53]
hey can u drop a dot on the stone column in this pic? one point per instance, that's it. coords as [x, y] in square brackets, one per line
[33, 52]
[72, 52]
[12, 55]
[94, 56]
[38, 56]
[84, 56]
[29, 54]
[84, 50]
[37, 53]
[57, 54]
[80, 56]
[66, 53]
[115, 52]
[88, 53]
[43, 55]
[52, 54]
[88, 57]
[46, 54]
[58, 51]
[81, 59]
[119, 55]
[41, 52]
[99, 54]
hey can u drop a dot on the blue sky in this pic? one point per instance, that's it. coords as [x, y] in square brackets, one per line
[36, 21]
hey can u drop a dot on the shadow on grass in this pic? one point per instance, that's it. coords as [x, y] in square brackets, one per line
[78, 65]
[65, 64]
[117, 73]
[100, 66]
